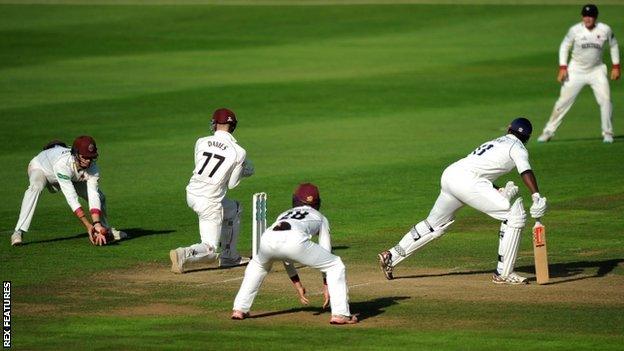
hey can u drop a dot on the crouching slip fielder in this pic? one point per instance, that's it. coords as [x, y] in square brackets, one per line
[469, 181]
[219, 165]
[288, 240]
[75, 173]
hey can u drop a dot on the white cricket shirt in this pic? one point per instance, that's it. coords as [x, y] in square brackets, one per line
[218, 166]
[587, 47]
[497, 157]
[60, 168]
[309, 221]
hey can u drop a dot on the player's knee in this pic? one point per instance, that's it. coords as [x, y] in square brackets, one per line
[231, 210]
[436, 228]
[338, 266]
[517, 215]
[36, 187]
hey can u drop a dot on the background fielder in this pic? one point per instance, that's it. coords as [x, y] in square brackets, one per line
[469, 182]
[587, 40]
[75, 173]
[220, 163]
[289, 239]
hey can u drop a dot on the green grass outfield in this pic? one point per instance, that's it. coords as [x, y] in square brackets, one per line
[370, 102]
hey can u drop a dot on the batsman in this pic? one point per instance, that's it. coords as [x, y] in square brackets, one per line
[469, 181]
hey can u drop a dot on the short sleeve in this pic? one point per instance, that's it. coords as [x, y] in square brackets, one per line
[520, 156]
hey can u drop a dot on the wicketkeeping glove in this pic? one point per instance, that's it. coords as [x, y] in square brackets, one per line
[538, 209]
[248, 168]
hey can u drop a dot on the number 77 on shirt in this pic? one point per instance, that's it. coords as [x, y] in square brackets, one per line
[540, 253]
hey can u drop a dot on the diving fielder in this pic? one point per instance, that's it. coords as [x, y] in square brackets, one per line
[288, 240]
[587, 40]
[219, 165]
[469, 182]
[75, 173]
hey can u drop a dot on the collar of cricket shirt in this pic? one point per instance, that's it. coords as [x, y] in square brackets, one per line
[224, 134]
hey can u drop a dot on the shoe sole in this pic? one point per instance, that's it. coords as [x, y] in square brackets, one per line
[19, 243]
[353, 320]
[503, 282]
[173, 255]
[242, 263]
[382, 265]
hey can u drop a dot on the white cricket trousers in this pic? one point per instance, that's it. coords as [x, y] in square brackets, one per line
[460, 186]
[296, 246]
[38, 182]
[597, 80]
[211, 216]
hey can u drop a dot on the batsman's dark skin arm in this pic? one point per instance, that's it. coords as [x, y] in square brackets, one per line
[529, 180]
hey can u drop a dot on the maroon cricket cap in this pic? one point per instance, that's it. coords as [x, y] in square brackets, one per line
[85, 146]
[308, 194]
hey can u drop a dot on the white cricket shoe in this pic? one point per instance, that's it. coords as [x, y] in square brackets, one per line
[229, 262]
[16, 238]
[545, 137]
[512, 279]
[178, 258]
[118, 234]
[608, 139]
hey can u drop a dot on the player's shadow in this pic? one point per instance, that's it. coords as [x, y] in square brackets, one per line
[430, 275]
[133, 233]
[363, 309]
[575, 270]
[339, 248]
[596, 138]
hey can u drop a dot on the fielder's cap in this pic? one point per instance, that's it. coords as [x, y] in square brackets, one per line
[224, 116]
[590, 10]
[308, 194]
[85, 146]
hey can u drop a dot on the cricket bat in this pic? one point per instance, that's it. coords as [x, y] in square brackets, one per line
[540, 253]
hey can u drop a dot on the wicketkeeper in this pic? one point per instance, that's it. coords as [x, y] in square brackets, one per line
[220, 164]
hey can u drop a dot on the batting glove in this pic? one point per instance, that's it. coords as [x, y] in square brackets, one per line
[538, 209]
[509, 191]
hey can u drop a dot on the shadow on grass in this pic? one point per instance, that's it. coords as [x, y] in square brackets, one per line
[574, 270]
[596, 138]
[363, 309]
[132, 232]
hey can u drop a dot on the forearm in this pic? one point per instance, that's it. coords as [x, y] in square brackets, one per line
[530, 181]
[82, 217]
[615, 53]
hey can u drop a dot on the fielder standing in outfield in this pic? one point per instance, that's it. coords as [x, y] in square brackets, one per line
[220, 163]
[75, 173]
[288, 240]
[587, 40]
[469, 182]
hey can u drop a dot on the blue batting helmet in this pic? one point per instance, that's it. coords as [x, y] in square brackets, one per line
[521, 128]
